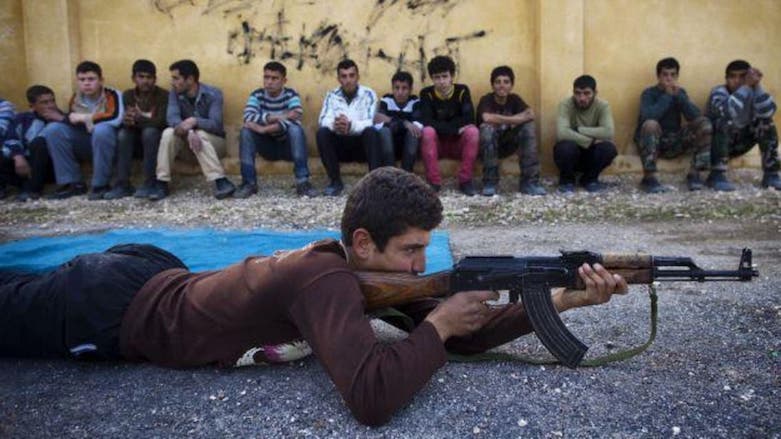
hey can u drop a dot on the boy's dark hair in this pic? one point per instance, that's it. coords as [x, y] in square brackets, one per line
[144, 66]
[186, 68]
[89, 66]
[403, 77]
[36, 91]
[441, 64]
[275, 66]
[738, 64]
[585, 81]
[502, 71]
[346, 64]
[388, 201]
[667, 63]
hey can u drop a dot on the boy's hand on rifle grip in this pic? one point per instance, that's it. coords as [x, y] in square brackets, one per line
[461, 314]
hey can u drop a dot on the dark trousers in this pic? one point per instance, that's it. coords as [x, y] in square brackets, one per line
[127, 141]
[398, 143]
[41, 170]
[590, 162]
[335, 148]
[76, 309]
[8, 173]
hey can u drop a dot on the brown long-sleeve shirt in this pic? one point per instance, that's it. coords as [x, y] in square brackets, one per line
[153, 107]
[271, 309]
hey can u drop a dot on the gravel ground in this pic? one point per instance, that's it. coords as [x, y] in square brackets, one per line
[712, 372]
[277, 207]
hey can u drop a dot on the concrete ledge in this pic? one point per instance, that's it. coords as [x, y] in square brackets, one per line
[631, 164]
[623, 164]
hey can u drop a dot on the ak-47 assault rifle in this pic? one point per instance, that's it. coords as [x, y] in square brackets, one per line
[532, 278]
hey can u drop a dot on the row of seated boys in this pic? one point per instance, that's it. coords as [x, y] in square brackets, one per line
[106, 127]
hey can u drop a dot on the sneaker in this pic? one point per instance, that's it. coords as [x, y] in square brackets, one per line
[120, 191]
[334, 189]
[771, 180]
[566, 188]
[531, 187]
[305, 189]
[27, 196]
[489, 189]
[651, 185]
[144, 191]
[694, 182]
[467, 188]
[159, 191]
[246, 190]
[223, 188]
[67, 191]
[718, 182]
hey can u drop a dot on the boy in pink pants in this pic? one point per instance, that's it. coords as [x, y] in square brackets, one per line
[449, 130]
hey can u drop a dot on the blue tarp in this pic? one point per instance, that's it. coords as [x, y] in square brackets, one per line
[200, 249]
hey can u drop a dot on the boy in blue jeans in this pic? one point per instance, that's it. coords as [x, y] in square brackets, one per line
[272, 128]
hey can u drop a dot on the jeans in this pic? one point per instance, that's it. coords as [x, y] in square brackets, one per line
[68, 144]
[464, 146]
[403, 143]
[292, 147]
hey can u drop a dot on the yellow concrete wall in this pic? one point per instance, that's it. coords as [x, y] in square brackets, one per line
[624, 39]
[547, 42]
[216, 41]
[13, 79]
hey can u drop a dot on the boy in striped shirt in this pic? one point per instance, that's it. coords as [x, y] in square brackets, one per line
[272, 128]
[742, 115]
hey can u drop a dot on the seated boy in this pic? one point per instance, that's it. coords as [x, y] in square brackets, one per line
[742, 115]
[399, 116]
[449, 130]
[659, 131]
[507, 126]
[272, 128]
[25, 155]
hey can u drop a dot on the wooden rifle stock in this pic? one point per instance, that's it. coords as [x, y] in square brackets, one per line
[635, 268]
[383, 289]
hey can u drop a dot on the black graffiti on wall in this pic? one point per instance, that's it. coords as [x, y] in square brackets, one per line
[225, 6]
[322, 48]
[328, 42]
[166, 6]
[414, 55]
[422, 7]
